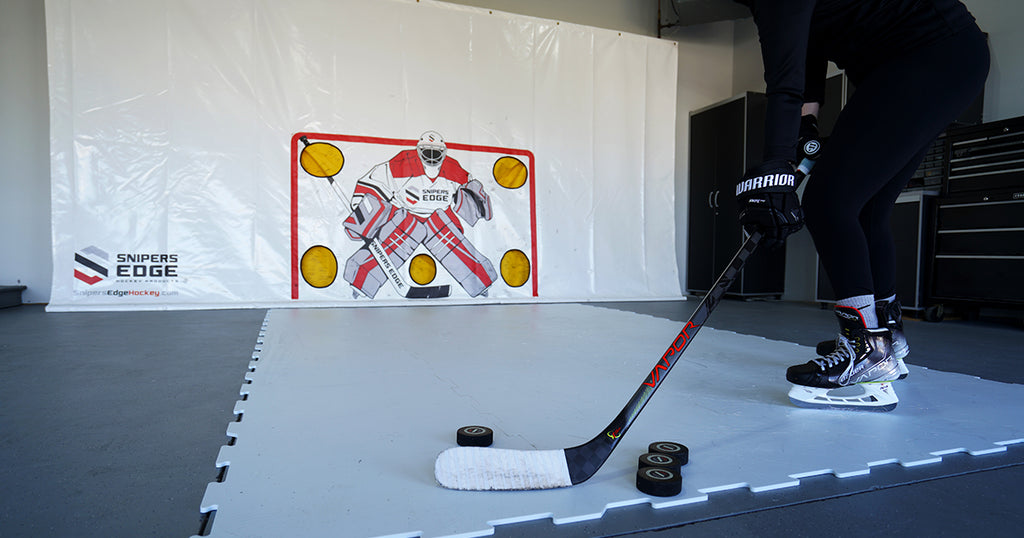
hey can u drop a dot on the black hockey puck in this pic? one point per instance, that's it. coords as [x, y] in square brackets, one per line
[659, 481]
[474, 436]
[664, 461]
[671, 448]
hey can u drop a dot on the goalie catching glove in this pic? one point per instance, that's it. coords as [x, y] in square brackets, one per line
[768, 202]
[472, 203]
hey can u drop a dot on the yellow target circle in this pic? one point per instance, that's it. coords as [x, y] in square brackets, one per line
[321, 159]
[510, 172]
[422, 269]
[319, 266]
[515, 268]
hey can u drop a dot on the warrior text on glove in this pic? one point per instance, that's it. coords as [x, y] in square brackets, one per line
[767, 180]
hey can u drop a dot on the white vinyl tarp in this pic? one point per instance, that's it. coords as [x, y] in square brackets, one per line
[246, 153]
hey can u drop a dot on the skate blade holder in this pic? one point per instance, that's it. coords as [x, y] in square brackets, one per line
[879, 397]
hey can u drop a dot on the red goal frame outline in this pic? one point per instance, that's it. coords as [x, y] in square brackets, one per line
[296, 144]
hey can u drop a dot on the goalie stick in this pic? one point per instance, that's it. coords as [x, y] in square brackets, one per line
[478, 468]
[380, 255]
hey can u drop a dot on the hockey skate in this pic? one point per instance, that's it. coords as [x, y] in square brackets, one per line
[892, 314]
[856, 375]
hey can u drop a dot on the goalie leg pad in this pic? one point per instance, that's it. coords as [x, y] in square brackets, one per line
[474, 272]
[401, 235]
[363, 272]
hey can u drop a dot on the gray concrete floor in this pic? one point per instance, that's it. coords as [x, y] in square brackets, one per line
[110, 424]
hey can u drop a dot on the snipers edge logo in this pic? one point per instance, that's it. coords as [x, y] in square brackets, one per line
[91, 265]
[94, 265]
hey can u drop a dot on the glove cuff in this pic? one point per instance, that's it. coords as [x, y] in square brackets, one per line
[809, 121]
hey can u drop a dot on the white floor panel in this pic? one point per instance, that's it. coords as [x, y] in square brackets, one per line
[348, 408]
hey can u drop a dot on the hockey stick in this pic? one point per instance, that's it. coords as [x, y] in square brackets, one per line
[478, 468]
[380, 255]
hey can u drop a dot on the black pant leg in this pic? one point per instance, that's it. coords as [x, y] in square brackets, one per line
[895, 113]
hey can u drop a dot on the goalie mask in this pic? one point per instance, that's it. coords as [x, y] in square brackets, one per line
[431, 149]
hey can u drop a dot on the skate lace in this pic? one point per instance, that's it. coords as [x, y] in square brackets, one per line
[842, 352]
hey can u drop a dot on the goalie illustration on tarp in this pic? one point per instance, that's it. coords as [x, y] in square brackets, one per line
[421, 196]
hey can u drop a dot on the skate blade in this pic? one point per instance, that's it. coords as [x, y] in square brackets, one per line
[878, 397]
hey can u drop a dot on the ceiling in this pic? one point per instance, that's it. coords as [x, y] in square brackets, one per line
[690, 12]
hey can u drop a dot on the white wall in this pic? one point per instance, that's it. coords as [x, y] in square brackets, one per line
[706, 53]
[1003, 20]
[704, 78]
[24, 150]
[25, 240]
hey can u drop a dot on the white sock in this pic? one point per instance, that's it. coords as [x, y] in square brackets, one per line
[866, 305]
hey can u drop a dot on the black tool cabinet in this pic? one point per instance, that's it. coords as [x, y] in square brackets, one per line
[724, 138]
[979, 231]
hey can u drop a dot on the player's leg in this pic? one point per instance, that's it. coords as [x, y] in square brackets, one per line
[878, 140]
[892, 116]
[875, 220]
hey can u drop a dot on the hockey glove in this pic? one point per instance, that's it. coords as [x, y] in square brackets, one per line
[810, 140]
[767, 201]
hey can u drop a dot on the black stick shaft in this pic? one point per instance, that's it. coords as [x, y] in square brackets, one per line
[586, 459]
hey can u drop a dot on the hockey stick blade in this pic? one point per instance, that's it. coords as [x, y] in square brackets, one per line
[479, 468]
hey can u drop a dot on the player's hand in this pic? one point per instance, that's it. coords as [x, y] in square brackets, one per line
[810, 141]
[767, 200]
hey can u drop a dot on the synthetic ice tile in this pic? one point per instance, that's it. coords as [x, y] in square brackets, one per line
[347, 409]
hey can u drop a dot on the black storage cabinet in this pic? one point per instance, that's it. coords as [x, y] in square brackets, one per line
[980, 249]
[979, 239]
[724, 139]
